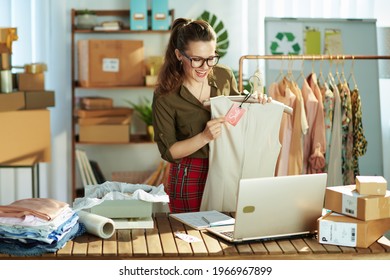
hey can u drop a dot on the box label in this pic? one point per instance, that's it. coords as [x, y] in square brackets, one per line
[349, 205]
[160, 16]
[343, 234]
[110, 65]
[138, 16]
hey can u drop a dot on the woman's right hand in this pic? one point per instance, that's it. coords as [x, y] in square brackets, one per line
[213, 128]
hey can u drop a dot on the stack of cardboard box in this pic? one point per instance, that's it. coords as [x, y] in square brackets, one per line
[358, 214]
[24, 118]
[101, 122]
[32, 83]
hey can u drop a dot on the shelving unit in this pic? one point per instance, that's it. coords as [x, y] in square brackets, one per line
[78, 90]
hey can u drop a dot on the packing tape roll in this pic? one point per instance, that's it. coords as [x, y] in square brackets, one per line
[35, 68]
[96, 224]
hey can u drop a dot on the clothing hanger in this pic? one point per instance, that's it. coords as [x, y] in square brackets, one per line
[256, 83]
[352, 74]
[280, 74]
[321, 76]
[344, 80]
[337, 70]
[290, 75]
[330, 74]
[301, 74]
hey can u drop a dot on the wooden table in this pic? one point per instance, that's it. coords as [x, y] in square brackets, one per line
[160, 243]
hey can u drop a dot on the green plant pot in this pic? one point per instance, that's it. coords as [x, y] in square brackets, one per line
[86, 21]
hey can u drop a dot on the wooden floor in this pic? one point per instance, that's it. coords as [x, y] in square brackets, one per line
[160, 243]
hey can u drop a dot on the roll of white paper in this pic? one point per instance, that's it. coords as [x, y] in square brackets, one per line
[97, 225]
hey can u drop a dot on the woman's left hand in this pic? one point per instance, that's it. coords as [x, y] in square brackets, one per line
[263, 98]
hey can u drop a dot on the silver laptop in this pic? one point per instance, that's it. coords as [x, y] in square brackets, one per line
[276, 207]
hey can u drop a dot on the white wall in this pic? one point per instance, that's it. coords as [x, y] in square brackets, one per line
[236, 14]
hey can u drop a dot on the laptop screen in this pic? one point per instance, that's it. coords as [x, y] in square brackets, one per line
[279, 206]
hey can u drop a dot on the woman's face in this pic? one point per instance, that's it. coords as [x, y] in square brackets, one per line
[197, 51]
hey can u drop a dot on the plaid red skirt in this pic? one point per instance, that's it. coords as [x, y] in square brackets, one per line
[186, 183]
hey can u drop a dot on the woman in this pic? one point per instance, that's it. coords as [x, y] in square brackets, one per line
[183, 129]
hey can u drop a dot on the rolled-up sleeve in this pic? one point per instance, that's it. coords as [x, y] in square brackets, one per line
[164, 127]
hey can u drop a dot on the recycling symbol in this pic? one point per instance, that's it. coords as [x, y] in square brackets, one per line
[284, 44]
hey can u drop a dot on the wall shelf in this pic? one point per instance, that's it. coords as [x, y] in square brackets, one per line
[78, 91]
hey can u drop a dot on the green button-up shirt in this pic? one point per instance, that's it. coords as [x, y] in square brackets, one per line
[179, 115]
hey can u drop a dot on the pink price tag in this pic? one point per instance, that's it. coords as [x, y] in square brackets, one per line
[234, 115]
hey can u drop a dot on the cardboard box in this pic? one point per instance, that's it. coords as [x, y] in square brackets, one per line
[26, 100]
[111, 63]
[39, 99]
[129, 208]
[105, 133]
[160, 15]
[138, 14]
[12, 101]
[115, 111]
[105, 120]
[25, 137]
[341, 230]
[95, 102]
[31, 82]
[346, 200]
[371, 185]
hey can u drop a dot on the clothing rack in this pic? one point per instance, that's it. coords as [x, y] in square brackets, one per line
[301, 57]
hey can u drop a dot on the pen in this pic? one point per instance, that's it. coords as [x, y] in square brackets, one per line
[205, 219]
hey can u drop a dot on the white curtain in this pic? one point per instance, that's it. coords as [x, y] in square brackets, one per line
[44, 36]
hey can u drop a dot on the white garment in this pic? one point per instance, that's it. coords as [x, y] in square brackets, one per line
[248, 150]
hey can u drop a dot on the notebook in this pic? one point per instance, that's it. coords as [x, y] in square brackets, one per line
[203, 219]
[276, 207]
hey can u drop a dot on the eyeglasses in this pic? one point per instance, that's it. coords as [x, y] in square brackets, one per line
[197, 62]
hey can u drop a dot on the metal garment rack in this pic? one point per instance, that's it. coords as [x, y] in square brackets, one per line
[301, 57]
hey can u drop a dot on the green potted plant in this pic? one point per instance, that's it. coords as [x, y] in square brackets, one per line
[144, 111]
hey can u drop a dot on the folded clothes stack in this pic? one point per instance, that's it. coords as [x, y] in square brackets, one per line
[35, 226]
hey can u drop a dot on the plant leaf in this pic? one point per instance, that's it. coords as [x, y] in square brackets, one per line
[219, 27]
[220, 30]
[213, 20]
[143, 110]
[222, 37]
